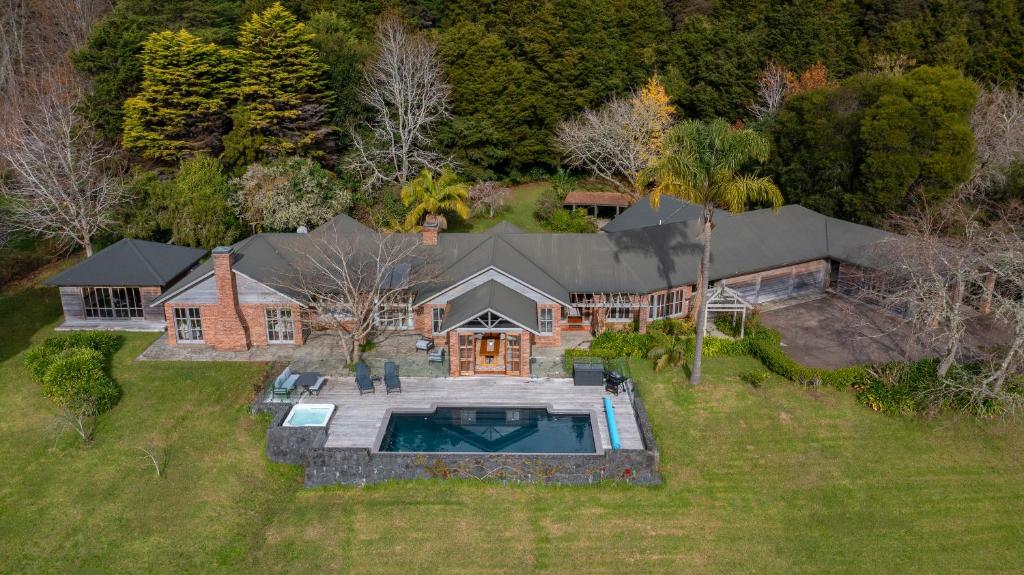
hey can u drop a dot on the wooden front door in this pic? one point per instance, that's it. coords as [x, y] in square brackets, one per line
[513, 355]
[465, 354]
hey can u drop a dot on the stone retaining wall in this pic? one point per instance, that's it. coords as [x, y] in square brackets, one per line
[360, 466]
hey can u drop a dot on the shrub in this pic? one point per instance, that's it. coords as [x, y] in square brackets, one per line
[39, 358]
[571, 355]
[576, 221]
[672, 327]
[754, 377]
[76, 381]
[102, 341]
[623, 343]
[721, 346]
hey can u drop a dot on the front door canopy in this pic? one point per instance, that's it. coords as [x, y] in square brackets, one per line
[491, 305]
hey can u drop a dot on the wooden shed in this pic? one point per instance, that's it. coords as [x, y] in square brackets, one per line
[113, 289]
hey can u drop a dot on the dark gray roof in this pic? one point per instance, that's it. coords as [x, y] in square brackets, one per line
[504, 227]
[493, 296]
[633, 260]
[641, 215]
[130, 262]
[463, 256]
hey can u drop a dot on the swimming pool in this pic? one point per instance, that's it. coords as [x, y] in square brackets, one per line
[309, 415]
[489, 430]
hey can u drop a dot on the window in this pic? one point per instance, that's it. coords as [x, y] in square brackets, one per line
[112, 302]
[280, 325]
[619, 307]
[188, 324]
[547, 320]
[668, 304]
[395, 316]
[436, 319]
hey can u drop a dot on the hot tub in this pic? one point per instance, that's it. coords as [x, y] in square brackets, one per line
[309, 415]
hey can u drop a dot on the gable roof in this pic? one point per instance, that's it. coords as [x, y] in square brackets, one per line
[130, 262]
[632, 260]
[491, 296]
[641, 214]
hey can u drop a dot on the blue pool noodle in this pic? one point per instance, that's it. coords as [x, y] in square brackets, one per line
[613, 429]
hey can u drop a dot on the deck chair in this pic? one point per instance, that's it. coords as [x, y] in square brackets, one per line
[391, 380]
[316, 387]
[363, 380]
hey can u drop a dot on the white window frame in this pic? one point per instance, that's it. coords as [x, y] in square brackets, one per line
[279, 323]
[186, 323]
[546, 325]
[671, 303]
[400, 316]
[436, 319]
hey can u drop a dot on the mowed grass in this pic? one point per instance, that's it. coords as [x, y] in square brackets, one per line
[521, 206]
[771, 480]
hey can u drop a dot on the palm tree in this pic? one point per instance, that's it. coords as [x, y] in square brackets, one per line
[429, 196]
[701, 165]
[669, 353]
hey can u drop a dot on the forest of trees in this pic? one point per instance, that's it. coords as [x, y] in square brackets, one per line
[869, 104]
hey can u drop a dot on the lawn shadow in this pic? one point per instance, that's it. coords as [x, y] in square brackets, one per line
[26, 312]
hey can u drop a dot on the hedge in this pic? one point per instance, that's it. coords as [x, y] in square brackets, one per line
[76, 380]
[104, 342]
[39, 358]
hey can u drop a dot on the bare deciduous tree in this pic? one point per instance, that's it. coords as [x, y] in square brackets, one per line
[997, 122]
[488, 198]
[360, 284]
[37, 35]
[928, 273]
[406, 89]
[620, 139]
[13, 21]
[772, 86]
[65, 183]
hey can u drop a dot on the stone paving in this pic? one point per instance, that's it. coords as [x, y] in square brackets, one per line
[323, 353]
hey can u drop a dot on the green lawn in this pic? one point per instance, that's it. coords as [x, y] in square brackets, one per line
[520, 211]
[778, 479]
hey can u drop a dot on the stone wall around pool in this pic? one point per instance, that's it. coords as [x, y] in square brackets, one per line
[360, 466]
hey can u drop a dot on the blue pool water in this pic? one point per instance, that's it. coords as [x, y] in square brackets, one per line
[309, 415]
[489, 430]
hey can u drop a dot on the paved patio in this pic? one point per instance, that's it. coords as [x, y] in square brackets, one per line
[358, 419]
[323, 352]
[835, 331]
[111, 325]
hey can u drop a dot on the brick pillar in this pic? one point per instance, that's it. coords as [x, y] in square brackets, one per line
[430, 231]
[299, 324]
[642, 315]
[453, 353]
[229, 331]
[525, 351]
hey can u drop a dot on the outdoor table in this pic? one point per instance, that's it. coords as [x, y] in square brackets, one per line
[307, 380]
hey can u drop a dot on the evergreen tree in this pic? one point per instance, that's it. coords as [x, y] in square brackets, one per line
[283, 88]
[197, 209]
[187, 88]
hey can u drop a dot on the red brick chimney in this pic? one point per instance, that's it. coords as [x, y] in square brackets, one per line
[430, 230]
[229, 332]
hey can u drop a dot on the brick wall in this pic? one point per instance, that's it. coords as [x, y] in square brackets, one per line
[555, 338]
[228, 325]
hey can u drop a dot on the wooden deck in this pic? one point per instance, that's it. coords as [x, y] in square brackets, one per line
[358, 419]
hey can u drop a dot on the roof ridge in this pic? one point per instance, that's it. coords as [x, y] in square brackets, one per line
[533, 263]
[149, 266]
